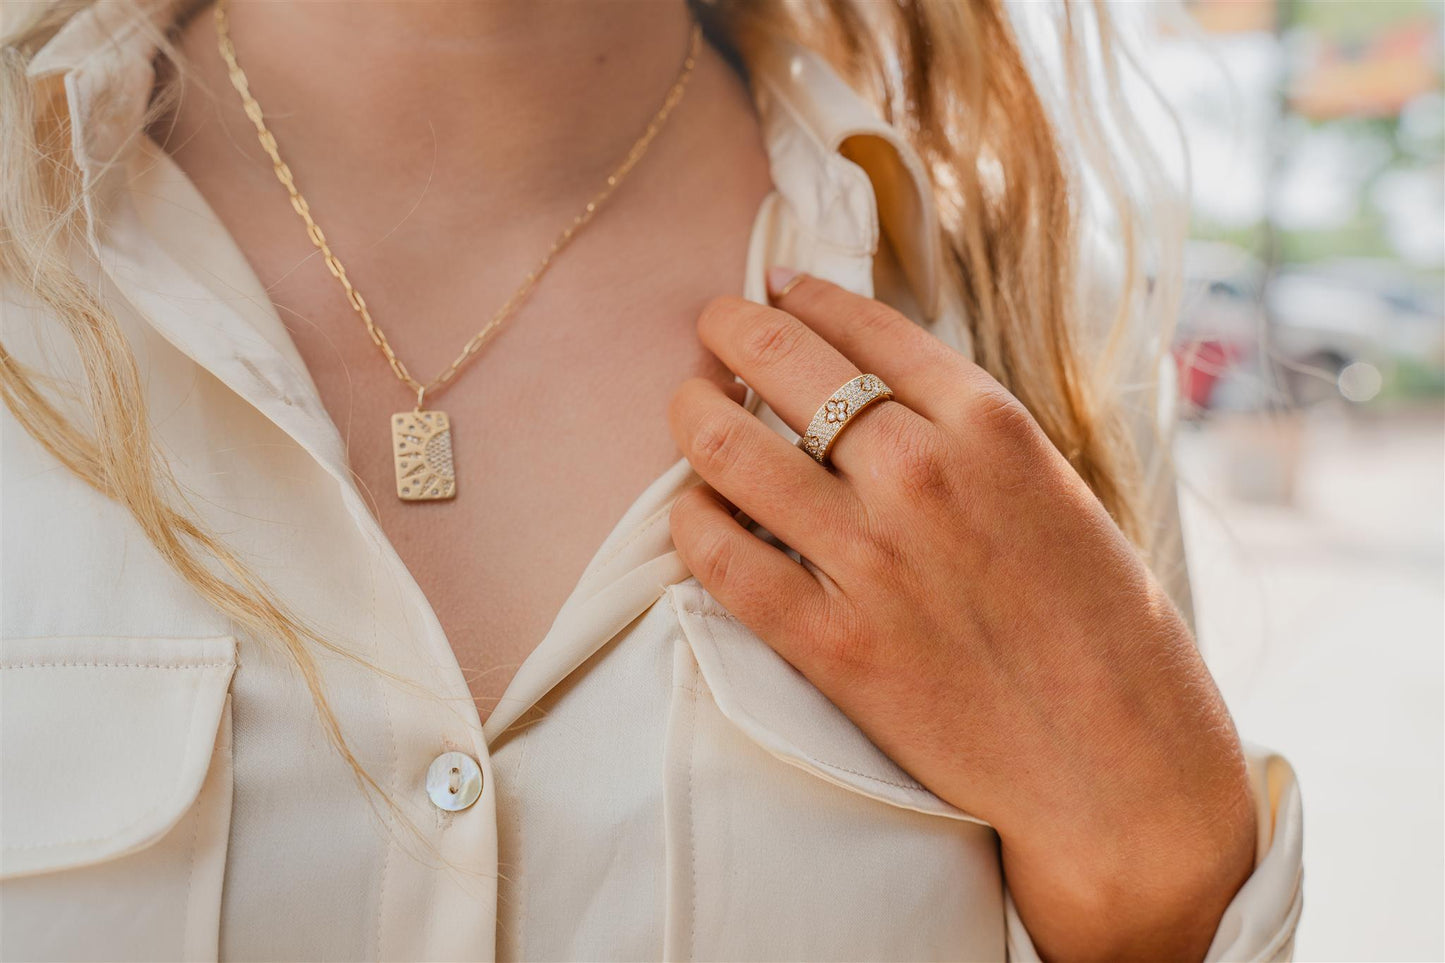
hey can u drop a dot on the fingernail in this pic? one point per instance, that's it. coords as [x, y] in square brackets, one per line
[781, 280]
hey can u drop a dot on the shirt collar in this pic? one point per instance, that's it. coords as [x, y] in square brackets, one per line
[105, 56]
[166, 251]
[155, 237]
[805, 107]
[106, 26]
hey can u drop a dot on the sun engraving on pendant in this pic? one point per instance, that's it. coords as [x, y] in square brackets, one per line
[421, 446]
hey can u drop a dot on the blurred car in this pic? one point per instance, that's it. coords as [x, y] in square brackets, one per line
[1330, 316]
[1221, 324]
[1328, 330]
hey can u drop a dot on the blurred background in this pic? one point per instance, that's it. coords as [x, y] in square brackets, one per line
[1311, 355]
[1311, 360]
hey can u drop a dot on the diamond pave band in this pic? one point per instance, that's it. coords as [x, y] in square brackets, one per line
[840, 408]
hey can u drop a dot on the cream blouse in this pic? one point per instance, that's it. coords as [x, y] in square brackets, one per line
[655, 783]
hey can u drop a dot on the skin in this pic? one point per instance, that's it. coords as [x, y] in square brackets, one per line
[439, 195]
[970, 605]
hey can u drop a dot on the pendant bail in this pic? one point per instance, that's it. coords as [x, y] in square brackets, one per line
[420, 396]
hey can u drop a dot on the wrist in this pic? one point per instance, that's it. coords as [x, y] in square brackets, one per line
[1146, 879]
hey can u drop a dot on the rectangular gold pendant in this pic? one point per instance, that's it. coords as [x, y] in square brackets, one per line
[421, 446]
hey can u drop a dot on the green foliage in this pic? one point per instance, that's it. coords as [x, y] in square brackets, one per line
[1346, 21]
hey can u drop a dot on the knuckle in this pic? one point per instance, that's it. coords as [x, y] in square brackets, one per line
[683, 510]
[999, 413]
[877, 549]
[713, 553]
[920, 465]
[885, 557]
[874, 318]
[770, 339]
[846, 642]
[715, 441]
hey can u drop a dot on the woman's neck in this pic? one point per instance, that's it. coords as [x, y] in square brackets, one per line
[539, 99]
[441, 148]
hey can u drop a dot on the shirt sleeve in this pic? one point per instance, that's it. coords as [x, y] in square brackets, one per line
[1259, 924]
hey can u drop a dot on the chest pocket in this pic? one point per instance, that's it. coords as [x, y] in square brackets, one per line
[790, 835]
[115, 797]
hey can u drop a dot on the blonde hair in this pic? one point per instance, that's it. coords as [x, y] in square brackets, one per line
[952, 77]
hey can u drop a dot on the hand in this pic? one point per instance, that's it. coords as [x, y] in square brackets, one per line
[973, 608]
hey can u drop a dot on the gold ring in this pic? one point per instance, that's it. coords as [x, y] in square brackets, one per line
[841, 408]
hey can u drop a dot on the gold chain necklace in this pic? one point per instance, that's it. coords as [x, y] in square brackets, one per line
[421, 439]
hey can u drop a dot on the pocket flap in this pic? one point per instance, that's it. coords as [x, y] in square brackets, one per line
[775, 706]
[105, 742]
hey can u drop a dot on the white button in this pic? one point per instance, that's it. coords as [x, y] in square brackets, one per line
[453, 781]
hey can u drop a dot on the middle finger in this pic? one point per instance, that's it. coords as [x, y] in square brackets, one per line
[750, 465]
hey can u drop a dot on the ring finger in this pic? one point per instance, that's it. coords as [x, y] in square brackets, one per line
[791, 366]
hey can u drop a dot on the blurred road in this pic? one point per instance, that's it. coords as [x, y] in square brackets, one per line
[1324, 622]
